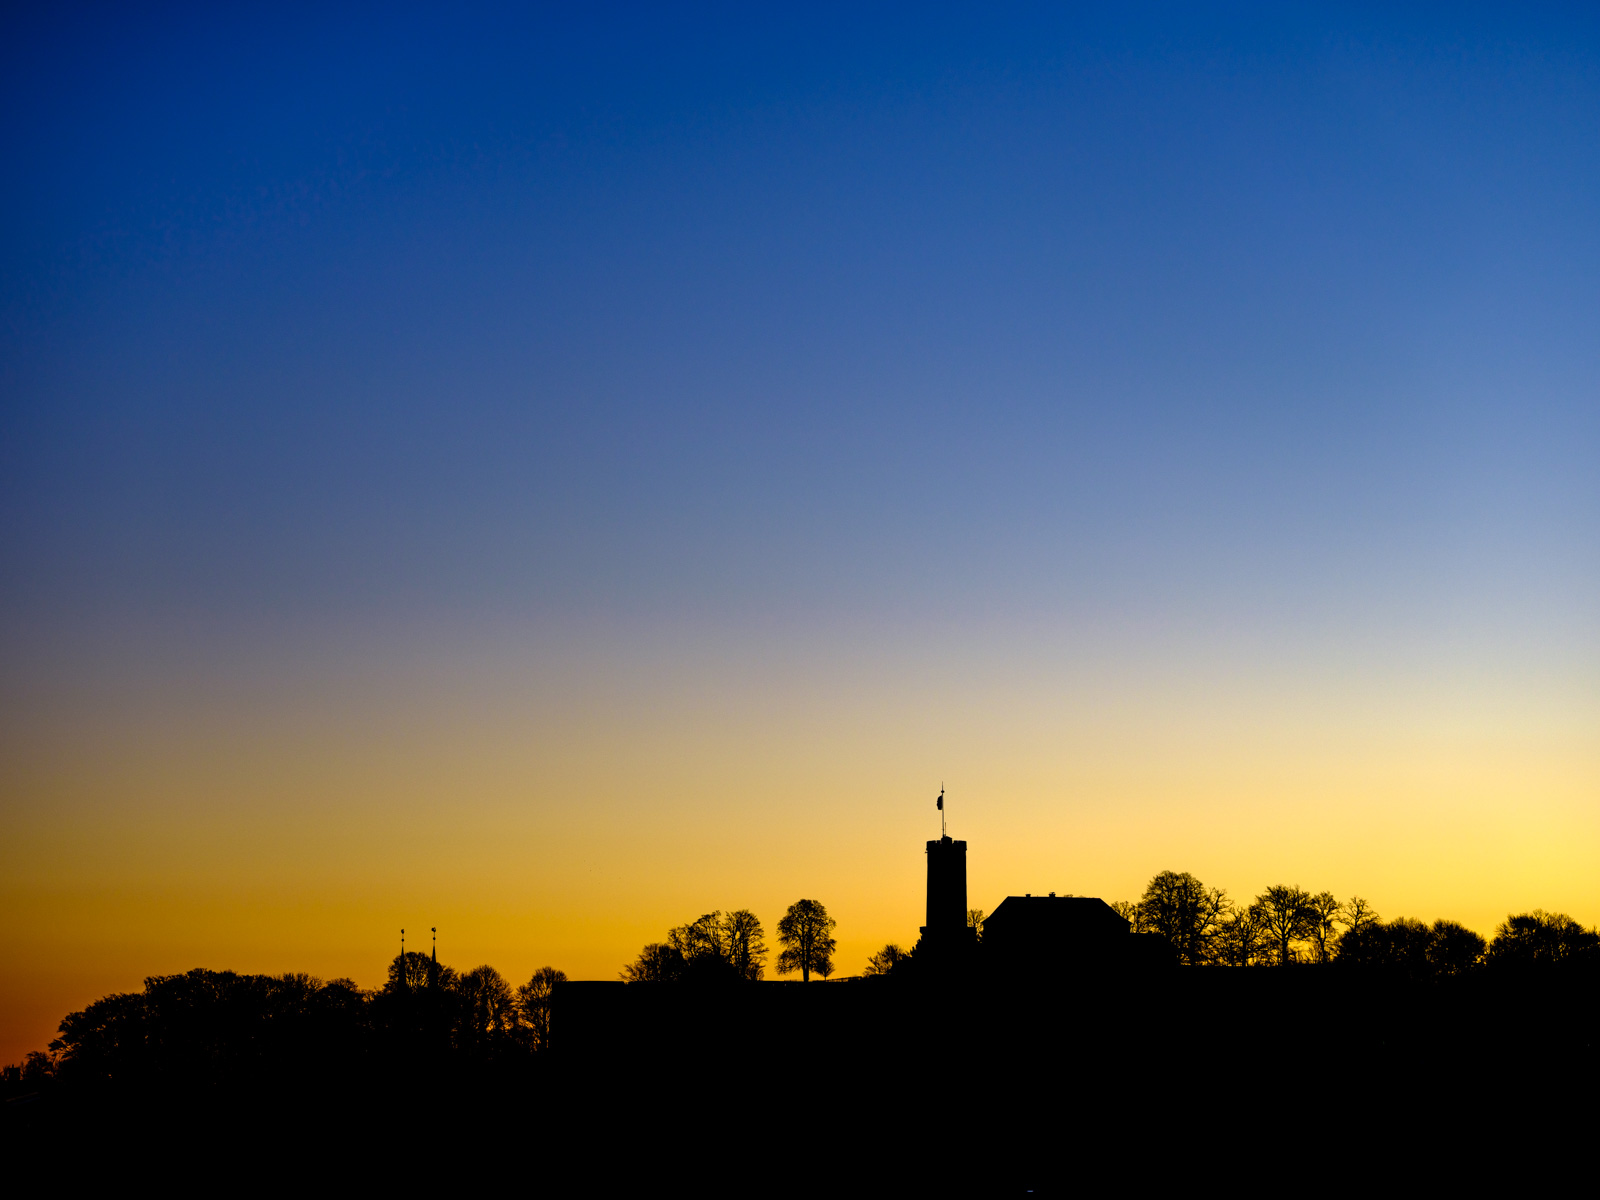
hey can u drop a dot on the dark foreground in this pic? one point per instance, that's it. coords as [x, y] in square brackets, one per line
[1257, 1078]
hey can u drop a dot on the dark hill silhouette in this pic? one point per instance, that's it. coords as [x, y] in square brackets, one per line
[1050, 1043]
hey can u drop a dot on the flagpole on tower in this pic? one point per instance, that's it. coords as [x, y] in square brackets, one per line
[940, 804]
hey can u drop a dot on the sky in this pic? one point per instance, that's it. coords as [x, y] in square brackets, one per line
[544, 475]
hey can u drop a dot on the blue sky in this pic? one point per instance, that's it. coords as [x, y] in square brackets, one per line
[493, 309]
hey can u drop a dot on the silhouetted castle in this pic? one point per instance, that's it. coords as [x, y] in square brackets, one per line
[1027, 935]
[947, 897]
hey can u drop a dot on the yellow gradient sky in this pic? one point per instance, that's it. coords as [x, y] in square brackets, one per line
[565, 799]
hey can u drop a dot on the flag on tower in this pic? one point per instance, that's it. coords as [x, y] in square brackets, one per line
[939, 803]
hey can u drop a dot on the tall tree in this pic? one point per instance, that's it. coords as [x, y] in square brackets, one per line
[1242, 939]
[533, 1005]
[1184, 911]
[806, 935]
[700, 940]
[1355, 914]
[487, 1006]
[1324, 926]
[1288, 915]
[744, 944]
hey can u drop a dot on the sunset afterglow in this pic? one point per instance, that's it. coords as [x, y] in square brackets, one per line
[548, 477]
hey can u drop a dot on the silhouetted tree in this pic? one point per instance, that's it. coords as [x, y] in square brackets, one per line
[1288, 915]
[1242, 939]
[35, 1073]
[702, 945]
[657, 963]
[885, 960]
[745, 944]
[1355, 914]
[1407, 945]
[701, 938]
[533, 1006]
[486, 1008]
[1398, 947]
[718, 948]
[806, 935]
[1408, 949]
[414, 971]
[417, 1009]
[1184, 911]
[975, 923]
[108, 1038]
[1129, 912]
[710, 949]
[1541, 939]
[1453, 949]
[207, 1028]
[1324, 929]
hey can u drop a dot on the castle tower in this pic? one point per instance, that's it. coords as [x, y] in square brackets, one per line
[947, 893]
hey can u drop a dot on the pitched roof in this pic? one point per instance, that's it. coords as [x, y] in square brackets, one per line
[1052, 918]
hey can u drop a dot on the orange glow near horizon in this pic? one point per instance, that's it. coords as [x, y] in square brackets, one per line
[550, 476]
[567, 807]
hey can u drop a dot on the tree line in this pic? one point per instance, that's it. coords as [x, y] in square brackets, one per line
[227, 1027]
[731, 948]
[1287, 925]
